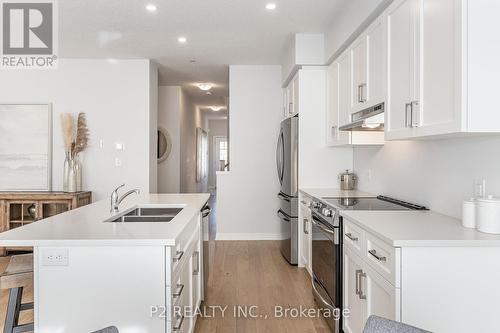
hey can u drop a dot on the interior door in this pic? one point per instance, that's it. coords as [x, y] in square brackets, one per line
[400, 48]
[355, 322]
[359, 75]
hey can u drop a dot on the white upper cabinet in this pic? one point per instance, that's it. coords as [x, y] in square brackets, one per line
[355, 82]
[359, 74]
[291, 98]
[442, 67]
[402, 72]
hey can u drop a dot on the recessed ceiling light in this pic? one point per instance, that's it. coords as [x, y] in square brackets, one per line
[271, 6]
[182, 40]
[150, 7]
[205, 86]
[216, 108]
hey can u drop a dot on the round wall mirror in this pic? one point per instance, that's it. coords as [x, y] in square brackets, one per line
[164, 144]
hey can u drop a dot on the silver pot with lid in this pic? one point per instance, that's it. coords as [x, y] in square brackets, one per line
[347, 181]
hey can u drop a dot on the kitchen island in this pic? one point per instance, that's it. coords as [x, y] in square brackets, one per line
[91, 273]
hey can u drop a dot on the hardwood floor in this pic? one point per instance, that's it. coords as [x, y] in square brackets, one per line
[26, 316]
[253, 273]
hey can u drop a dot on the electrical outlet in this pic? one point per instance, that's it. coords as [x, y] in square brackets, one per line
[55, 257]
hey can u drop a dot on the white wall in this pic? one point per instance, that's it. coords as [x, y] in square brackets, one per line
[191, 118]
[216, 127]
[438, 174]
[153, 127]
[117, 99]
[246, 195]
[169, 117]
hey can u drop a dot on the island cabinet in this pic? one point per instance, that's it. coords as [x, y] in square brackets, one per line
[433, 284]
[135, 284]
[22, 208]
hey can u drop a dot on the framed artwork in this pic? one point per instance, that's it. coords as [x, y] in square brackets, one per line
[25, 147]
[201, 154]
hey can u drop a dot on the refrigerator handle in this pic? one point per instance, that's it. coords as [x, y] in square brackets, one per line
[279, 156]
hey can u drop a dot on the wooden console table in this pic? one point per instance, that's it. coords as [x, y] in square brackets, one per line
[21, 208]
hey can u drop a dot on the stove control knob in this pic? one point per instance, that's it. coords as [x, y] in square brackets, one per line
[327, 212]
[316, 205]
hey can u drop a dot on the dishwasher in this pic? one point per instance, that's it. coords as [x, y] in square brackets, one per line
[207, 249]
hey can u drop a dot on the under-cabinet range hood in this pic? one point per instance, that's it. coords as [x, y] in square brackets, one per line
[370, 119]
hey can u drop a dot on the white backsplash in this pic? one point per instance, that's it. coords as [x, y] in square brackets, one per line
[437, 173]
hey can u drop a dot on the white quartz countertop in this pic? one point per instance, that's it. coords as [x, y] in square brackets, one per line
[85, 226]
[419, 228]
[320, 193]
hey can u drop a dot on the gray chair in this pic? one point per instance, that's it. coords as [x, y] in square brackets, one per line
[110, 329]
[376, 324]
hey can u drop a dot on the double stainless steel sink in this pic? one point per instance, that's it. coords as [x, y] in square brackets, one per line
[147, 214]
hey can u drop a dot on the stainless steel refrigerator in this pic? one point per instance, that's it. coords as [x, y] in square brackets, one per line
[287, 155]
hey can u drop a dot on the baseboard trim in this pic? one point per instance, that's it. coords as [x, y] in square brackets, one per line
[248, 236]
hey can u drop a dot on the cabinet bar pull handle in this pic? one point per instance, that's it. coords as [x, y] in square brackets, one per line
[408, 115]
[178, 292]
[361, 294]
[197, 270]
[351, 237]
[305, 226]
[358, 273]
[363, 98]
[360, 100]
[178, 326]
[179, 255]
[374, 253]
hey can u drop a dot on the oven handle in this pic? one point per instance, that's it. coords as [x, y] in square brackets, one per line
[325, 303]
[328, 231]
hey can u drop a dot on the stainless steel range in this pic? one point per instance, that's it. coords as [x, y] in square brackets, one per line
[327, 246]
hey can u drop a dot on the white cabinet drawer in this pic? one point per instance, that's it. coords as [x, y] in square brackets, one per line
[354, 237]
[382, 258]
[182, 243]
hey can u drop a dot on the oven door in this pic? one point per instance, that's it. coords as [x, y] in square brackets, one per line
[326, 266]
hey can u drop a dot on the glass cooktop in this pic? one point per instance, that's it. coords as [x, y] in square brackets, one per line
[378, 203]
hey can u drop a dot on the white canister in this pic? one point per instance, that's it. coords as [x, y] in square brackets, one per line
[469, 213]
[488, 215]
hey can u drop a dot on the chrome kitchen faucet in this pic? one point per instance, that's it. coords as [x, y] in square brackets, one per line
[116, 200]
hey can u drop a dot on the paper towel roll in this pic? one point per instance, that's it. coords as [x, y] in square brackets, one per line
[469, 213]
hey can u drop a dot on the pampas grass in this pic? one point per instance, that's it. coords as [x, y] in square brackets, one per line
[67, 121]
[82, 134]
[74, 143]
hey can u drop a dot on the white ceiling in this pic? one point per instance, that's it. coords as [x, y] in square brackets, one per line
[219, 33]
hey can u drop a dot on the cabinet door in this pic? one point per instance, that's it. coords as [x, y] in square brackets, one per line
[381, 296]
[306, 240]
[335, 137]
[355, 322]
[295, 101]
[289, 95]
[439, 111]
[345, 93]
[376, 72]
[359, 74]
[401, 78]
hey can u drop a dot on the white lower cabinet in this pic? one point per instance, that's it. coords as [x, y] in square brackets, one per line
[185, 282]
[366, 293]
